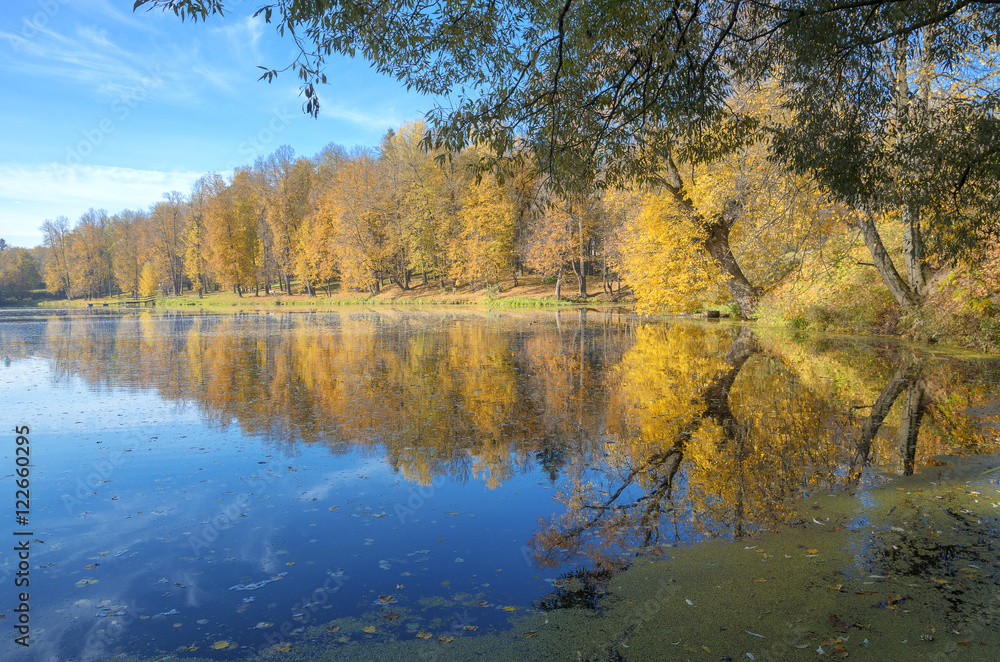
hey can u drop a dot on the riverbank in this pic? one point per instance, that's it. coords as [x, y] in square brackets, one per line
[529, 292]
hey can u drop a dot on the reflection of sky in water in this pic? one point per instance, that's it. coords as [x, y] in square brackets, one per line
[175, 513]
[157, 527]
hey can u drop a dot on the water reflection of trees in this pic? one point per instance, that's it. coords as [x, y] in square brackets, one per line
[663, 432]
[465, 395]
[714, 439]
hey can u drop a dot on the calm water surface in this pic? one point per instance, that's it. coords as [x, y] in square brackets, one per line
[212, 485]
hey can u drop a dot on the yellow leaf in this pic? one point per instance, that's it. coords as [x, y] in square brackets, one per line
[368, 628]
[219, 645]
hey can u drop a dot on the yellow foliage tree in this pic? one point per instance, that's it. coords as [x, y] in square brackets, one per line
[149, 283]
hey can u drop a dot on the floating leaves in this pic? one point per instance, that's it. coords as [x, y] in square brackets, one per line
[368, 629]
[220, 645]
[91, 566]
[424, 635]
[391, 616]
[839, 623]
[386, 600]
[254, 586]
[444, 639]
[284, 648]
[510, 608]
[84, 582]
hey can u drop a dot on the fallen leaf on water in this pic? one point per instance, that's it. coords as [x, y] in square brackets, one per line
[334, 507]
[368, 628]
[509, 608]
[333, 628]
[219, 645]
[386, 599]
[192, 647]
[471, 627]
[483, 603]
[262, 625]
[391, 616]
[812, 551]
[424, 635]
[759, 580]
[839, 623]
[835, 587]
[84, 582]
[445, 639]
[91, 566]
[530, 633]
[284, 648]
[840, 651]
[865, 592]
[399, 586]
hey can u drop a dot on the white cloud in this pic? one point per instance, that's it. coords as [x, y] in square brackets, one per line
[381, 121]
[30, 194]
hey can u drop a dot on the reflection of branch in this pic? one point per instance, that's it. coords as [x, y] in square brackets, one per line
[715, 397]
[904, 376]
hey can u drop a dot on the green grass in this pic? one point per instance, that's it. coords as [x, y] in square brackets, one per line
[524, 302]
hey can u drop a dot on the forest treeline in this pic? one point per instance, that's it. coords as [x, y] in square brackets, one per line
[361, 218]
[403, 214]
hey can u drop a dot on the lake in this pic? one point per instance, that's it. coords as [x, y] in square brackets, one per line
[359, 484]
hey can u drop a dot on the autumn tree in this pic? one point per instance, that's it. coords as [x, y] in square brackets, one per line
[195, 235]
[128, 232]
[57, 240]
[893, 109]
[166, 238]
[231, 229]
[483, 251]
[18, 273]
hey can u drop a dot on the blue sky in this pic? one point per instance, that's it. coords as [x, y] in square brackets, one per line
[106, 108]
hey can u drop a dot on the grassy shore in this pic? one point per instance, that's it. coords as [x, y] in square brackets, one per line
[529, 292]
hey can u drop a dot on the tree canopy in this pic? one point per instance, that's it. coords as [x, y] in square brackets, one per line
[888, 105]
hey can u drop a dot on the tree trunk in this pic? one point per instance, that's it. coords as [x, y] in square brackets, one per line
[717, 244]
[559, 283]
[897, 287]
[716, 241]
